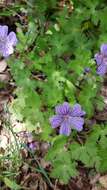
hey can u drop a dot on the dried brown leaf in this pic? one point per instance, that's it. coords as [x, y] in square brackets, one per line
[3, 66]
[103, 181]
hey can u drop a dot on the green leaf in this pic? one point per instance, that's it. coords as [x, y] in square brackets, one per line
[63, 166]
[57, 146]
[11, 184]
[102, 167]
[87, 96]
[87, 154]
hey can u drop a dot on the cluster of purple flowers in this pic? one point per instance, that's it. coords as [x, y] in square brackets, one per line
[7, 41]
[68, 118]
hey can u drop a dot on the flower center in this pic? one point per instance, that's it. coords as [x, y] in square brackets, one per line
[66, 117]
[2, 40]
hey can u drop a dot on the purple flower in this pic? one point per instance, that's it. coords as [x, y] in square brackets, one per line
[87, 70]
[32, 146]
[101, 60]
[7, 41]
[68, 117]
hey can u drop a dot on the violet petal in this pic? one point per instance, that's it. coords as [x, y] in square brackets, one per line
[56, 121]
[104, 49]
[63, 109]
[12, 39]
[76, 123]
[65, 128]
[77, 111]
[3, 31]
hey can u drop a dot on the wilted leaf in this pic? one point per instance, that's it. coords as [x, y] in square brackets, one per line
[3, 66]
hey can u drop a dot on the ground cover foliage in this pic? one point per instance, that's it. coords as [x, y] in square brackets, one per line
[54, 62]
